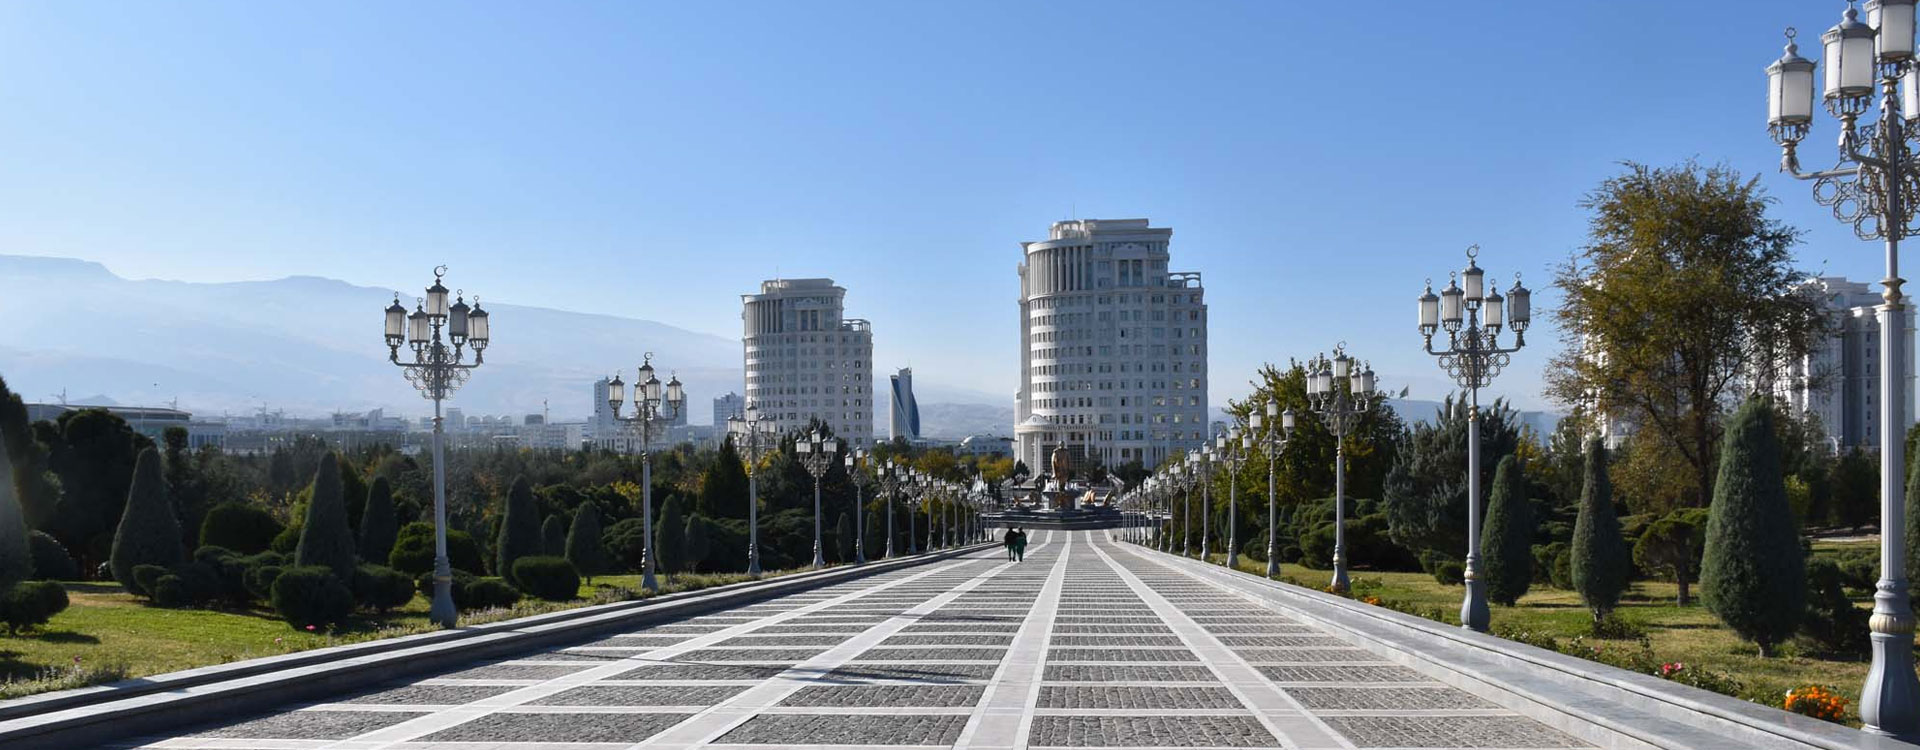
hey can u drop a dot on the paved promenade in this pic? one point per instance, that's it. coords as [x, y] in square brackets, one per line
[1087, 643]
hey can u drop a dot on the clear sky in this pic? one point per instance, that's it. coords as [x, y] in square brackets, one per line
[656, 159]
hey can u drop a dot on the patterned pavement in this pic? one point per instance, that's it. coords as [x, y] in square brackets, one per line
[1086, 644]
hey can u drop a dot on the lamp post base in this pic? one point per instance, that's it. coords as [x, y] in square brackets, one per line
[1891, 696]
[819, 560]
[441, 612]
[1474, 615]
[753, 559]
[1339, 582]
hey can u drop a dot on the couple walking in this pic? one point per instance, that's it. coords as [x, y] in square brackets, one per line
[1016, 544]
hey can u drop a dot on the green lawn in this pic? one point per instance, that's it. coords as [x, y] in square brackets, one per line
[1689, 635]
[108, 634]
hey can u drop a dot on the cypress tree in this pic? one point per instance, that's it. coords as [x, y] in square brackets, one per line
[553, 536]
[1754, 576]
[696, 535]
[584, 549]
[843, 538]
[1601, 561]
[16, 555]
[149, 534]
[379, 526]
[670, 537]
[325, 538]
[723, 491]
[519, 528]
[1507, 547]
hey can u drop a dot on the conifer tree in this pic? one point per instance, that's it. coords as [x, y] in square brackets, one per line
[843, 538]
[1754, 574]
[553, 536]
[16, 555]
[379, 526]
[1600, 555]
[519, 528]
[584, 548]
[149, 533]
[697, 544]
[325, 538]
[670, 537]
[1507, 547]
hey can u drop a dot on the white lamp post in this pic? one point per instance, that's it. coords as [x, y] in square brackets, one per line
[816, 454]
[1277, 437]
[754, 437]
[1339, 391]
[653, 409]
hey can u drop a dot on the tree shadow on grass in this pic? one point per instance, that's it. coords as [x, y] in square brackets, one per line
[63, 636]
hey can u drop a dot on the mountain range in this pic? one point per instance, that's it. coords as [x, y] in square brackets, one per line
[311, 346]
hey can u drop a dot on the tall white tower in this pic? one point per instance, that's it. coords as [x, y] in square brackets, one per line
[1113, 347]
[805, 360]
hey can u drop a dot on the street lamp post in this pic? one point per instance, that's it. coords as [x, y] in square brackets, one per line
[1472, 317]
[816, 454]
[1277, 437]
[890, 476]
[858, 478]
[1339, 392]
[438, 334]
[1205, 477]
[652, 411]
[917, 490]
[1233, 446]
[754, 437]
[1872, 190]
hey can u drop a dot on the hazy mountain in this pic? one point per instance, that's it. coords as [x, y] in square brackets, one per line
[1414, 411]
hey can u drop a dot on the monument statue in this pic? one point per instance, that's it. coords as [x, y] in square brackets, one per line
[1061, 467]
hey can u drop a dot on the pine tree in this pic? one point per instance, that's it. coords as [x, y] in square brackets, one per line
[1754, 576]
[584, 548]
[519, 528]
[149, 534]
[325, 538]
[696, 536]
[16, 555]
[843, 538]
[670, 537]
[553, 536]
[723, 491]
[1600, 555]
[379, 526]
[1506, 548]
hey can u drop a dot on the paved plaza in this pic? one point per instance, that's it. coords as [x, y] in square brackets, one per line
[1087, 643]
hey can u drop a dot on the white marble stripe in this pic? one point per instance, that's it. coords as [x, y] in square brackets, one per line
[1001, 718]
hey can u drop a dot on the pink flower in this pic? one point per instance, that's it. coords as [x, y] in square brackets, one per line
[309, 628]
[76, 661]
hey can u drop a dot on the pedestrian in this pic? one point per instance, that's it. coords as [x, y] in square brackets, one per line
[1008, 540]
[1019, 546]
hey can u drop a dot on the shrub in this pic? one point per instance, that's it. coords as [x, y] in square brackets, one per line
[584, 548]
[312, 594]
[16, 552]
[1832, 622]
[413, 550]
[670, 538]
[381, 588]
[1599, 556]
[1562, 572]
[553, 536]
[378, 524]
[288, 539]
[240, 527]
[487, 593]
[51, 562]
[699, 540]
[423, 583]
[1256, 549]
[546, 577]
[1532, 638]
[170, 591]
[260, 580]
[1617, 628]
[200, 583]
[1705, 679]
[1754, 576]
[1671, 547]
[30, 603]
[325, 538]
[627, 540]
[148, 533]
[1450, 572]
[519, 528]
[1506, 545]
[144, 576]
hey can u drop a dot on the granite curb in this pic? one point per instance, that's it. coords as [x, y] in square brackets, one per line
[78, 718]
[1569, 693]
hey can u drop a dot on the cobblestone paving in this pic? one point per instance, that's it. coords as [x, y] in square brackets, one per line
[1085, 644]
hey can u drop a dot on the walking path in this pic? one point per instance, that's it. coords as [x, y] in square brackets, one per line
[1087, 643]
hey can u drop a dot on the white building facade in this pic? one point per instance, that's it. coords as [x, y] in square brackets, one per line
[1113, 347]
[727, 407]
[903, 411]
[1839, 380]
[806, 360]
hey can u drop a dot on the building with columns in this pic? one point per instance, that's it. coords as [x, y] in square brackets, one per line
[1839, 380]
[806, 360]
[1113, 347]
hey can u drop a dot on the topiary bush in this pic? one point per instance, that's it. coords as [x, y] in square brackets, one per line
[547, 577]
[31, 603]
[311, 595]
[378, 523]
[1832, 623]
[1450, 572]
[325, 538]
[1599, 558]
[144, 576]
[487, 593]
[413, 550]
[51, 562]
[553, 536]
[1506, 546]
[1754, 573]
[519, 528]
[260, 580]
[288, 539]
[170, 591]
[584, 549]
[148, 534]
[240, 527]
[381, 588]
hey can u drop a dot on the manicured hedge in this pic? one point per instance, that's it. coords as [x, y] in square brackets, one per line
[547, 577]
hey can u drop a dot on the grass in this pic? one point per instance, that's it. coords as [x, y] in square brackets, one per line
[1690, 635]
[107, 634]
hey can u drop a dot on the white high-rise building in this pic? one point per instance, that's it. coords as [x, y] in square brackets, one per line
[904, 411]
[1113, 347]
[727, 407]
[806, 360]
[1839, 380]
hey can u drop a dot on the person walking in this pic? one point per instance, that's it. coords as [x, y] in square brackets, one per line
[1019, 546]
[1008, 541]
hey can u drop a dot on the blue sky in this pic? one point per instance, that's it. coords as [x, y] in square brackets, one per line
[656, 160]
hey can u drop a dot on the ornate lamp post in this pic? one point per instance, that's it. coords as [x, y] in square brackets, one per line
[438, 334]
[859, 478]
[754, 437]
[1232, 447]
[890, 478]
[1205, 459]
[1277, 437]
[1873, 189]
[816, 454]
[652, 411]
[916, 492]
[1339, 392]
[1472, 318]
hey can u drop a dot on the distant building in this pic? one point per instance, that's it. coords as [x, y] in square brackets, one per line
[1839, 380]
[454, 420]
[1113, 346]
[986, 445]
[149, 421]
[904, 411]
[805, 360]
[727, 407]
[545, 435]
